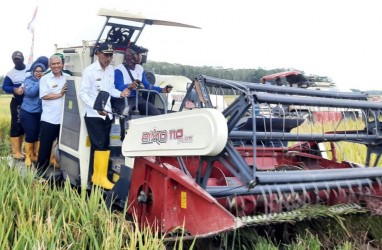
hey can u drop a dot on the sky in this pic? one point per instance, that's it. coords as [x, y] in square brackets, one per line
[341, 39]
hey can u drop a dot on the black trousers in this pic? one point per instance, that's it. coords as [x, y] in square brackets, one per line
[16, 127]
[99, 135]
[145, 107]
[99, 132]
[48, 133]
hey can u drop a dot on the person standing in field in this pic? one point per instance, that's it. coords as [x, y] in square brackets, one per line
[12, 85]
[52, 90]
[97, 77]
[30, 113]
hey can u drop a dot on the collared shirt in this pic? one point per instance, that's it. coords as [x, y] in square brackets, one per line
[52, 109]
[95, 79]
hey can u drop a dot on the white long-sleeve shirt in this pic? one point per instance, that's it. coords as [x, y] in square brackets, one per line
[95, 79]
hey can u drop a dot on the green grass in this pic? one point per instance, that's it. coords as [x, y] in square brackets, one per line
[5, 123]
[37, 215]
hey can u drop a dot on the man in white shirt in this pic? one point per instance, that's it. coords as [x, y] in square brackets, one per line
[52, 90]
[99, 76]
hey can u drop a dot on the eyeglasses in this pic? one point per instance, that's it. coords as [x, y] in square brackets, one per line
[39, 71]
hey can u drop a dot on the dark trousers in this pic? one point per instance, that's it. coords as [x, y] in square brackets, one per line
[48, 133]
[16, 127]
[99, 135]
[145, 107]
[31, 125]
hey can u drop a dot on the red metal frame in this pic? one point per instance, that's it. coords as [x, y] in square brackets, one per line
[176, 201]
[281, 74]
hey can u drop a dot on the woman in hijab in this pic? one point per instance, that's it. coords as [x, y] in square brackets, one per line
[30, 113]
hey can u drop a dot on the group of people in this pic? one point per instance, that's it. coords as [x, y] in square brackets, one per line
[38, 99]
[35, 106]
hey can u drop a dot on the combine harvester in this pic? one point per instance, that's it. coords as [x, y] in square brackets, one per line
[202, 171]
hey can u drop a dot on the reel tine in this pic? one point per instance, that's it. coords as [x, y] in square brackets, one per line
[254, 200]
[316, 192]
[265, 201]
[306, 196]
[242, 205]
[271, 200]
[341, 191]
[280, 199]
[370, 189]
[291, 198]
[379, 183]
[351, 191]
[327, 192]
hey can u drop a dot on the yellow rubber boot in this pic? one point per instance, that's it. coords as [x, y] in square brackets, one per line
[16, 148]
[21, 140]
[101, 164]
[53, 161]
[28, 154]
[36, 147]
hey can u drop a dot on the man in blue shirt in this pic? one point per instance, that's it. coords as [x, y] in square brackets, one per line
[130, 74]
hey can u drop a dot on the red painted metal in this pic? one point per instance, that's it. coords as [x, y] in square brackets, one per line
[281, 74]
[327, 116]
[175, 200]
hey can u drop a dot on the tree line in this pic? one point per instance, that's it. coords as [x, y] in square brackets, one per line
[244, 75]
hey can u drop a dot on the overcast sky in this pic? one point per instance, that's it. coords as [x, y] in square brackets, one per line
[341, 39]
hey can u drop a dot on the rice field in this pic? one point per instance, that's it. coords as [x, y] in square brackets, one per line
[4, 122]
[345, 151]
[38, 215]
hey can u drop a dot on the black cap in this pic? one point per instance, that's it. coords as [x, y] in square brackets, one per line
[17, 54]
[137, 49]
[106, 48]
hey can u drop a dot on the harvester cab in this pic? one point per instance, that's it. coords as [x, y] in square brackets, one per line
[121, 28]
[206, 170]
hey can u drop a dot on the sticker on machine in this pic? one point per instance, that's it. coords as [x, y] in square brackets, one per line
[165, 136]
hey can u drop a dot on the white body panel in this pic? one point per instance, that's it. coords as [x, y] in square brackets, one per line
[137, 17]
[194, 132]
[82, 154]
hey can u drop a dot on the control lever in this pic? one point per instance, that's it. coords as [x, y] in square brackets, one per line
[172, 103]
[139, 84]
[125, 112]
